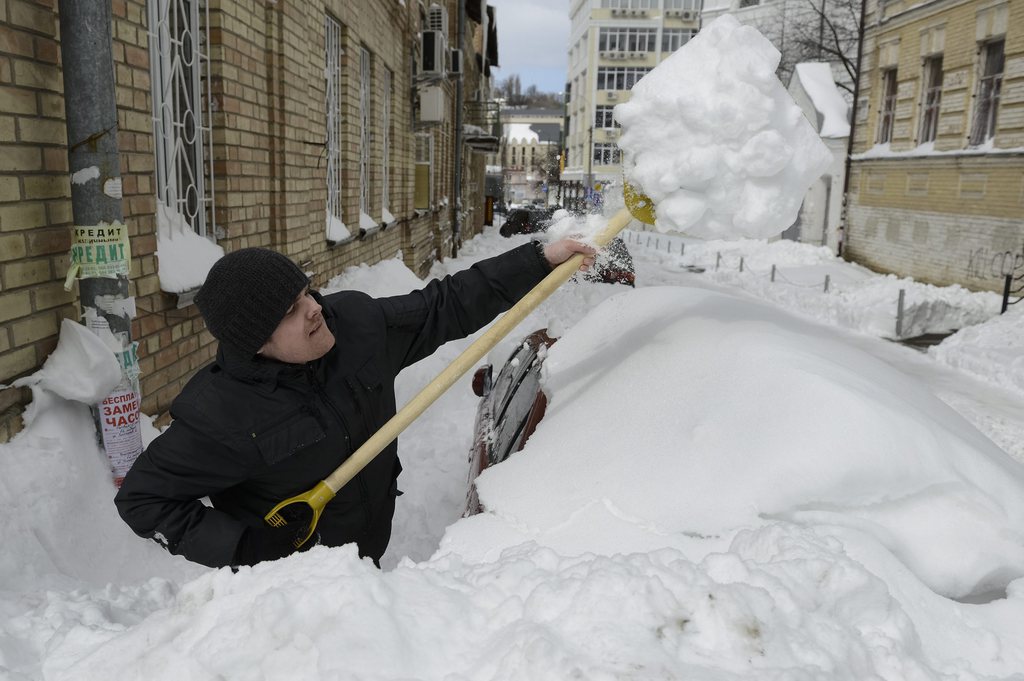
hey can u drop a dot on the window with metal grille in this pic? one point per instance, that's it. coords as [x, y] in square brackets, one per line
[990, 84]
[674, 38]
[603, 117]
[606, 154]
[627, 39]
[180, 79]
[365, 121]
[888, 106]
[385, 141]
[423, 194]
[619, 77]
[332, 76]
[931, 96]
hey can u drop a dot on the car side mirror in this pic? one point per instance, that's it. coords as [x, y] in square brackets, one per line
[482, 381]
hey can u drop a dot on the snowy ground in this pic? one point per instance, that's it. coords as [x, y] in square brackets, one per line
[737, 478]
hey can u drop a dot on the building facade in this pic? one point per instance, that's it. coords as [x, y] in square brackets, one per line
[612, 44]
[331, 130]
[936, 187]
[530, 155]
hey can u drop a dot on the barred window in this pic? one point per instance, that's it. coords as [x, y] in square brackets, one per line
[674, 38]
[986, 102]
[931, 95]
[332, 75]
[607, 154]
[888, 106]
[365, 121]
[182, 110]
[423, 195]
[619, 77]
[627, 39]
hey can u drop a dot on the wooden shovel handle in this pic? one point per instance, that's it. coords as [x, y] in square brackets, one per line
[469, 357]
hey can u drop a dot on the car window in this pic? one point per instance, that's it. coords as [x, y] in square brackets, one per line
[516, 410]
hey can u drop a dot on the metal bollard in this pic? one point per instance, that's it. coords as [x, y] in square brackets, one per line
[828, 278]
[773, 274]
[682, 247]
[899, 314]
[718, 260]
[741, 263]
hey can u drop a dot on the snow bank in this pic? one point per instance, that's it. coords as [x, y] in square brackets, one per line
[715, 140]
[185, 257]
[992, 351]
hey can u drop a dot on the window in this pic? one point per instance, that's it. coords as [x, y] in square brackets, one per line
[628, 4]
[627, 39]
[385, 142]
[674, 38]
[332, 74]
[749, 3]
[692, 5]
[986, 103]
[424, 189]
[365, 121]
[180, 77]
[888, 106]
[603, 117]
[619, 77]
[607, 154]
[931, 94]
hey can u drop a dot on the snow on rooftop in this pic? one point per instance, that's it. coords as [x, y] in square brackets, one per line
[520, 133]
[817, 80]
[716, 141]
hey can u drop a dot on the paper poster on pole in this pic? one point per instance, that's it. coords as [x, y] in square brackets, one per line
[122, 432]
[102, 250]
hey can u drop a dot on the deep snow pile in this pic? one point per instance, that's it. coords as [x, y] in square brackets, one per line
[857, 298]
[712, 136]
[992, 351]
[718, 490]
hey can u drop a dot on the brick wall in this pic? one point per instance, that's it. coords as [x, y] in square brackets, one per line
[268, 133]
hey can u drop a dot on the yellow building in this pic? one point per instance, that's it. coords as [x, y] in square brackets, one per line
[936, 186]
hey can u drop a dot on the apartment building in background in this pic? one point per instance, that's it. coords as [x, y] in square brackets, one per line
[936, 186]
[329, 130]
[531, 144]
[612, 44]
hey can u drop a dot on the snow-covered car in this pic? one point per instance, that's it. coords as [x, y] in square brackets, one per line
[511, 405]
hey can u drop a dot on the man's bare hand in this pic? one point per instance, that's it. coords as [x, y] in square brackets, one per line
[559, 251]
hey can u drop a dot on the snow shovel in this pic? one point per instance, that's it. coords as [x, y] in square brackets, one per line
[637, 206]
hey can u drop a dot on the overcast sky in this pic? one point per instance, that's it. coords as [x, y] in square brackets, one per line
[533, 41]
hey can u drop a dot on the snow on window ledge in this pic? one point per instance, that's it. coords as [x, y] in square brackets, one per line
[183, 257]
[928, 149]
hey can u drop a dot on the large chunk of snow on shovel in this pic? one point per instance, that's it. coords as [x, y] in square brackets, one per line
[685, 413]
[714, 138]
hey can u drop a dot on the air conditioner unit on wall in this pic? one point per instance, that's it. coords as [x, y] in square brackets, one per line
[687, 15]
[612, 96]
[673, 12]
[437, 19]
[432, 57]
[432, 104]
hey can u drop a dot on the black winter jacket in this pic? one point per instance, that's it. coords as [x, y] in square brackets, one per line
[249, 433]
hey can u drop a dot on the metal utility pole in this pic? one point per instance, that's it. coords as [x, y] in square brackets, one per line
[100, 252]
[459, 103]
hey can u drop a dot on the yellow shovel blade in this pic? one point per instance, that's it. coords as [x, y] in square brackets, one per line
[315, 498]
[640, 206]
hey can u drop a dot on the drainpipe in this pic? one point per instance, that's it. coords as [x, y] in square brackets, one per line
[459, 96]
[100, 252]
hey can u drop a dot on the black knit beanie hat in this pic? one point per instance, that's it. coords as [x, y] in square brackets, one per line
[246, 295]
